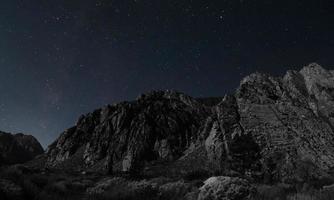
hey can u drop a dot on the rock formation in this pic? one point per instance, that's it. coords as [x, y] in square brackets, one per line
[226, 188]
[271, 124]
[121, 137]
[289, 118]
[18, 148]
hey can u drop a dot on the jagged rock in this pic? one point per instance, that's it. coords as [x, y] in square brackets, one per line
[157, 126]
[18, 148]
[226, 143]
[270, 122]
[320, 86]
[225, 188]
[284, 117]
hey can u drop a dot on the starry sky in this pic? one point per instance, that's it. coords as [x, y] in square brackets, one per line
[60, 59]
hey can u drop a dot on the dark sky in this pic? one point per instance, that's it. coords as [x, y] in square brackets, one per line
[60, 59]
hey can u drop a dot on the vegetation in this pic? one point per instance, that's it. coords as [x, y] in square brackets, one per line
[58, 185]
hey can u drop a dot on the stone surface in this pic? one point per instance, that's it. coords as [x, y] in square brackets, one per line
[270, 125]
[122, 137]
[226, 144]
[225, 188]
[287, 118]
[18, 148]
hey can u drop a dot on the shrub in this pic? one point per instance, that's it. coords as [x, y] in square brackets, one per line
[30, 189]
[268, 192]
[196, 175]
[11, 173]
[136, 190]
[175, 190]
[39, 180]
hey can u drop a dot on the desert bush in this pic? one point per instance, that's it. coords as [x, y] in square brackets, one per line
[196, 175]
[175, 190]
[11, 173]
[59, 187]
[160, 180]
[271, 192]
[123, 190]
[30, 189]
[79, 185]
[306, 171]
[319, 195]
[39, 180]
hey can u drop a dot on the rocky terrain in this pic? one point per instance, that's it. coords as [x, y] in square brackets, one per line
[273, 134]
[18, 148]
[122, 137]
[283, 120]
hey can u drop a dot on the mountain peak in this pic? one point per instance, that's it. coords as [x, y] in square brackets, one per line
[18, 148]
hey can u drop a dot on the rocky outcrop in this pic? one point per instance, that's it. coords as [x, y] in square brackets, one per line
[289, 118]
[18, 148]
[226, 143]
[270, 125]
[122, 137]
[226, 188]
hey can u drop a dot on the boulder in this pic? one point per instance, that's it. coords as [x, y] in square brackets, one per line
[225, 188]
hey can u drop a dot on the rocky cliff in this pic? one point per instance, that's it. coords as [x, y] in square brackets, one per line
[18, 148]
[290, 117]
[122, 137]
[271, 124]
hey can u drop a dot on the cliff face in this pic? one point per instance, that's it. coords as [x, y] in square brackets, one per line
[18, 148]
[121, 137]
[271, 124]
[290, 118]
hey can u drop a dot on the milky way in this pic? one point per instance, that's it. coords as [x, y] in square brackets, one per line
[60, 59]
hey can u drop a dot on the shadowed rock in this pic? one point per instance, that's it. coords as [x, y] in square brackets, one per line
[289, 118]
[225, 188]
[272, 123]
[18, 148]
[122, 137]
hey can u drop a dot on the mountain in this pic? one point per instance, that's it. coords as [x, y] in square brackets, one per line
[18, 148]
[121, 137]
[270, 128]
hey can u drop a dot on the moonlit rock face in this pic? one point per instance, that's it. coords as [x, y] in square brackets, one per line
[286, 120]
[225, 188]
[157, 126]
[290, 116]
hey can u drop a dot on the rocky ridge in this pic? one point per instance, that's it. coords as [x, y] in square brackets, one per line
[18, 148]
[270, 125]
[121, 137]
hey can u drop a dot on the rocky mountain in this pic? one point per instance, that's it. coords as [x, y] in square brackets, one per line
[122, 137]
[290, 117]
[18, 148]
[271, 126]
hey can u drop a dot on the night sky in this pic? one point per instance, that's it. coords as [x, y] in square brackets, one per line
[60, 59]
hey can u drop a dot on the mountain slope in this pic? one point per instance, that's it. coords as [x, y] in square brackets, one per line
[18, 148]
[121, 137]
[271, 126]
